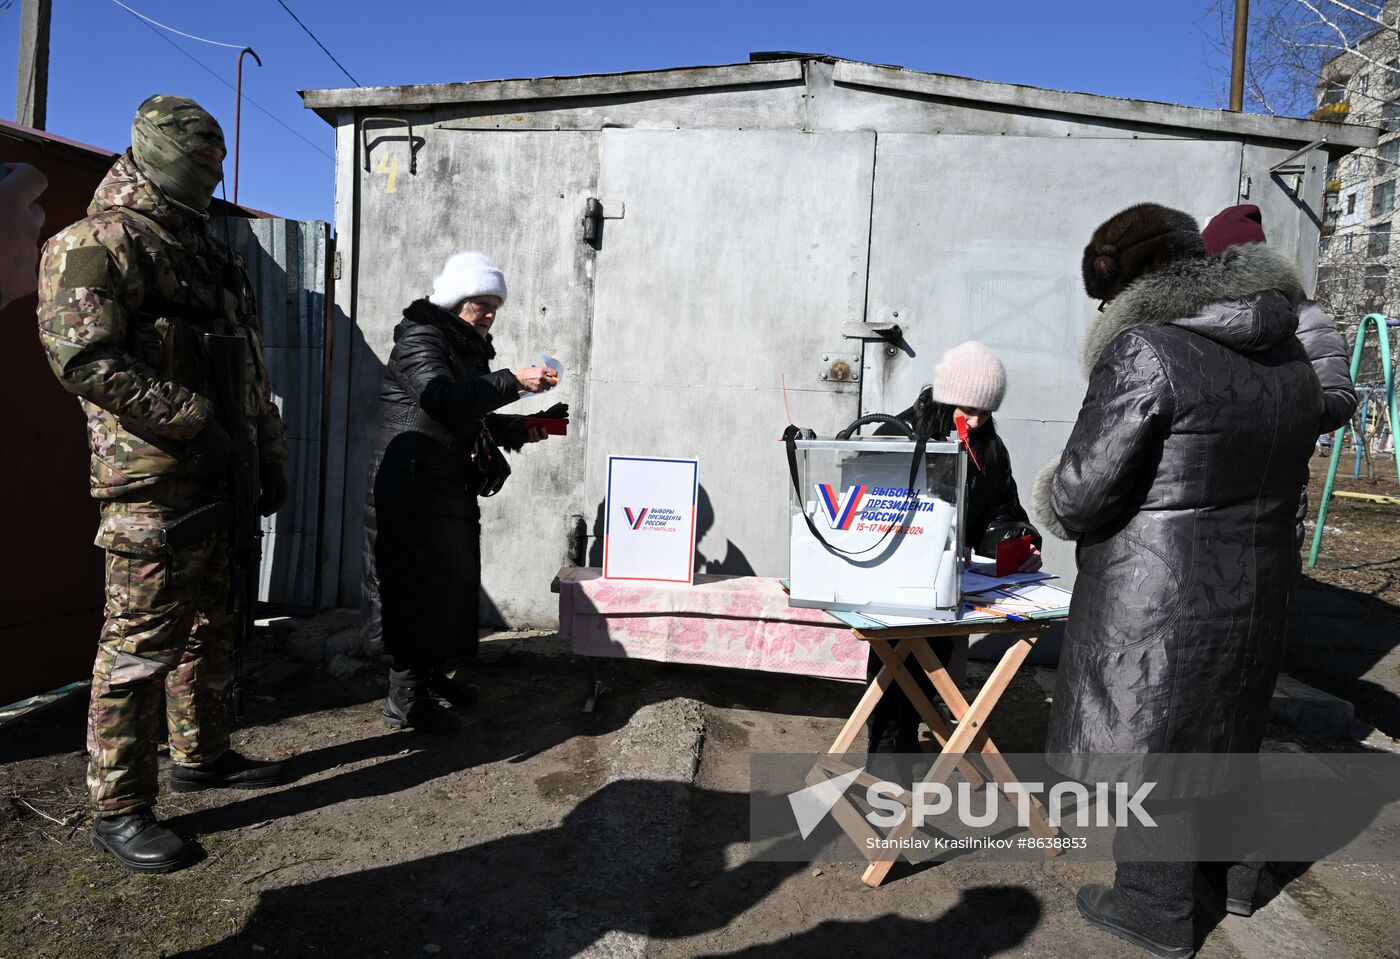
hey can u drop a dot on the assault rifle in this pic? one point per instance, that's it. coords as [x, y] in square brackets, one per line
[227, 355]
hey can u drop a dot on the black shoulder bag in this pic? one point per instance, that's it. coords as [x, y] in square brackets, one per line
[490, 464]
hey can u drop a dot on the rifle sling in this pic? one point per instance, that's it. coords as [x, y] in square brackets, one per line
[198, 525]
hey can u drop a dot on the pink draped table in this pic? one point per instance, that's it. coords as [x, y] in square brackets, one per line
[740, 622]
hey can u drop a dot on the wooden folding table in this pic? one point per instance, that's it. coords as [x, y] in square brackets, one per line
[894, 646]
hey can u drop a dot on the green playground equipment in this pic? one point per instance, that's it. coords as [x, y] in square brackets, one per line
[1388, 378]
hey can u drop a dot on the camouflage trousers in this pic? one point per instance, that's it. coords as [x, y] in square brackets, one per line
[167, 636]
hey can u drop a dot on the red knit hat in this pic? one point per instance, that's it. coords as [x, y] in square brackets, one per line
[1233, 226]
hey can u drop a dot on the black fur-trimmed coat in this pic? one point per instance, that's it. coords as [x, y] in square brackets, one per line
[1179, 482]
[994, 511]
[422, 547]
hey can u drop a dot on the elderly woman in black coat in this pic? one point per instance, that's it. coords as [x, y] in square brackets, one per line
[435, 452]
[1179, 483]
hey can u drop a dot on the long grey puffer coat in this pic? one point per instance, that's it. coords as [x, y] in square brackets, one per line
[1327, 351]
[1179, 482]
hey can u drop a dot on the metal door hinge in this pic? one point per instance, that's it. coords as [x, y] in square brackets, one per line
[336, 270]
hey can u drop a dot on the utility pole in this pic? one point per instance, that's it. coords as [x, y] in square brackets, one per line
[32, 88]
[1237, 61]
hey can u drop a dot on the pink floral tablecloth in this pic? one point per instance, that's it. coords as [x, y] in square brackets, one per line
[743, 622]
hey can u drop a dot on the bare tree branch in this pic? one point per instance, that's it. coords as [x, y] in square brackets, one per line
[1372, 18]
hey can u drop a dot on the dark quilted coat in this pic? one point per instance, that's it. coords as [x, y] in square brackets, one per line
[994, 511]
[1179, 483]
[422, 548]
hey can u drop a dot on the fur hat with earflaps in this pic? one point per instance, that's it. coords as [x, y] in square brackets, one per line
[1141, 239]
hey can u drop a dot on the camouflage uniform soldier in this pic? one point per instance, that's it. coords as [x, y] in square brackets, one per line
[125, 296]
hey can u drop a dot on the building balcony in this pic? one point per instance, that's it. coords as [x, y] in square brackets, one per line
[1332, 112]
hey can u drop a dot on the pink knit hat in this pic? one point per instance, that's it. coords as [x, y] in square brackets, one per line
[971, 377]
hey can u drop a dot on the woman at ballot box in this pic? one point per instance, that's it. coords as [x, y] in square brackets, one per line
[1179, 484]
[439, 446]
[969, 383]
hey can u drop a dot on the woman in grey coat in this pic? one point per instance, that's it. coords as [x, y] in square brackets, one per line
[1325, 346]
[1179, 483]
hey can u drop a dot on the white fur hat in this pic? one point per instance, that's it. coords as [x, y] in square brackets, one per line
[465, 275]
[971, 377]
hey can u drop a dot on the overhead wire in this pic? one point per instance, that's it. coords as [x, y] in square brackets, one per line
[217, 43]
[147, 23]
[318, 41]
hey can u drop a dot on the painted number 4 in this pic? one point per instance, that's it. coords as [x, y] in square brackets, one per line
[391, 167]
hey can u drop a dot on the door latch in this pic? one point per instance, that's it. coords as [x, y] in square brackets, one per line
[888, 331]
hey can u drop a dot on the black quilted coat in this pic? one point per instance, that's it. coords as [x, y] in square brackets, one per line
[994, 511]
[422, 548]
[1179, 483]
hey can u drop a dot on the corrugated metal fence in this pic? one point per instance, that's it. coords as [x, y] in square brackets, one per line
[287, 261]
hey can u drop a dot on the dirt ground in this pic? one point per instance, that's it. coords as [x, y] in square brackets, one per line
[497, 842]
[491, 843]
[1344, 622]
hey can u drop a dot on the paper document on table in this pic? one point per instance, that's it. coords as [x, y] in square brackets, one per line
[977, 582]
[890, 619]
[1022, 600]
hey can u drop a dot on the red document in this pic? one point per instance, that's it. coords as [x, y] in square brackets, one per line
[551, 426]
[1011, 553]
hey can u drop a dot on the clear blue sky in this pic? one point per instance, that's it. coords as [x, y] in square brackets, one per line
[104, 61]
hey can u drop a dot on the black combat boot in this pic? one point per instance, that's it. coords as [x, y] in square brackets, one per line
[458, 695]
[139, 842]
[410, 705]
[231, 770]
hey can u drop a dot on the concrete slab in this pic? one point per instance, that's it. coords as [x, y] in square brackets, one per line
[1309, 711]
[641, 819]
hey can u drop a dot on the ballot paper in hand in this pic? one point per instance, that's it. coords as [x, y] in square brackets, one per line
[545, 360]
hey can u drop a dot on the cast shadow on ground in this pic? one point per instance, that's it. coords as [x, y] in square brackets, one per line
[1336, 637]
[552, 697]
[985, 921]
[554, 892]
[402, 761]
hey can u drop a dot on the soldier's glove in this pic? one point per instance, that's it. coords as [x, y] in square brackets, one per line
[211, 448]
[273, 482]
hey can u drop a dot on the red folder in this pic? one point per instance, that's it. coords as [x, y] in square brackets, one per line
[1011, 553]
[551, 426]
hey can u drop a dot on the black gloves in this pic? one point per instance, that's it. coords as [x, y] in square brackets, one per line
[273, 484]
[211, 448]
[559, 411]
[211, 451]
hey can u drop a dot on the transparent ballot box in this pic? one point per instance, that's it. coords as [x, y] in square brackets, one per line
[863, 541]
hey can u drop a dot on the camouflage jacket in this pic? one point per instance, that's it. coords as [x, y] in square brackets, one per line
[124, 298]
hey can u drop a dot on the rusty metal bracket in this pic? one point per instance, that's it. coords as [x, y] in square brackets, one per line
[840, 368]
[414, 142]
